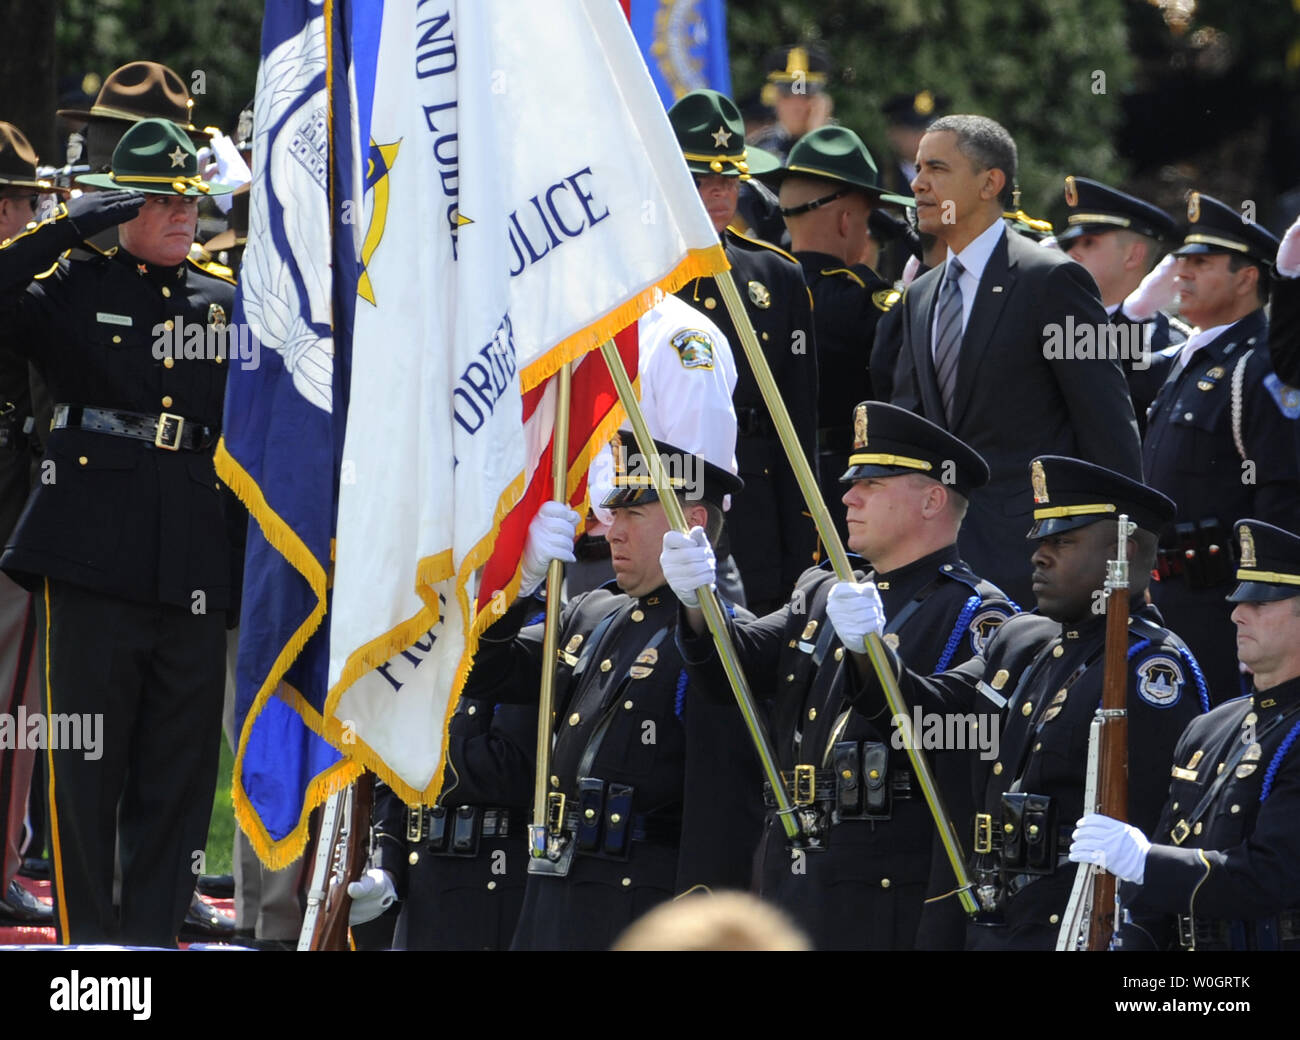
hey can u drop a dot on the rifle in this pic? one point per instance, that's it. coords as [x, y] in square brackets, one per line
[341, 852]
[1092, 916]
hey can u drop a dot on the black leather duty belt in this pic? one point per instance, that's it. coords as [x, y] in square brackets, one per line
[1281, 931]
[455, 832]
[808, 786]
[166, 431]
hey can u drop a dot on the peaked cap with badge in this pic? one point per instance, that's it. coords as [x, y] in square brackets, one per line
[156, 157]
[632, 485]
[711, 132]
[917, 110]
[1096, 208]
[834, 153]
[1268, 567]
[889, 441]
[1070, 493]
[1215, 227]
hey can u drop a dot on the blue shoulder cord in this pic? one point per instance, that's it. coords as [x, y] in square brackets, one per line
[1270, 774]
[1192, 664]
[959, 630]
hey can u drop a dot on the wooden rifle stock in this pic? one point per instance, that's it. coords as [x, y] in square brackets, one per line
[344, 840]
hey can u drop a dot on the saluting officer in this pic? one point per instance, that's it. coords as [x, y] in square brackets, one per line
[1042, 673]
[125, 542]
[1218, 443]
[1224, 871]
[862, 881]
[829, 189]
[1118, 239]
[771, 535]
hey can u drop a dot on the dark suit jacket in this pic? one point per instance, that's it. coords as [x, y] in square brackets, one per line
[1284, 329]
[1017, 395]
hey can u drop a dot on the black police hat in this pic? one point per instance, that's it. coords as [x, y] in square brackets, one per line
[712, 135]
[834, 153]
[916, 110]
[1215, 227]
[1095, 208]
[803, 68]
[1269, 565]
[1070, 493]
[890, 441]
[694, 474]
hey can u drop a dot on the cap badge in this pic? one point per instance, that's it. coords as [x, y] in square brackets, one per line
[923, 103]
[1194, 207]
[721, 137]
[859, 427]
[1038, 478]
[1247, 546]
[216, 315]
[759, 294]
[1071, 192]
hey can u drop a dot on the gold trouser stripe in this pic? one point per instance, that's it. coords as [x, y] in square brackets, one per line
[56, 849]
[1094, 508]
[880, 459]
[1269, 576]
[1214, 240]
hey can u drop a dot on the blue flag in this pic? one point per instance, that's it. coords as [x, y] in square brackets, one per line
[285, 412]
[684, 43]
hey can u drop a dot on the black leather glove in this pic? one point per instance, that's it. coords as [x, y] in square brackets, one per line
[95, 211]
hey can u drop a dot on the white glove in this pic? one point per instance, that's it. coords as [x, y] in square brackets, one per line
[1156, 292]
[856, 612]
[688, 563]
[1114, 846]
[550, 537]
[1288, 253]
[371, 895]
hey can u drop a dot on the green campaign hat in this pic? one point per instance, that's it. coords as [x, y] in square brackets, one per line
[1268, 566]
[835, 153]
[157, 157]
[712, 135]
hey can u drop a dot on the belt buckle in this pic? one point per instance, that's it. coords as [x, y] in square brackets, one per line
[414, 824]
[555, 812]
[1179, 834]
[983, 833]
[168, 436]
[805, 784]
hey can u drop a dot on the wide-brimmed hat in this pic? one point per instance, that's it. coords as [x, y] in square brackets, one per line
[712, 136]
[157, 157]
[835, 153]
[18, 161]
[140, 90]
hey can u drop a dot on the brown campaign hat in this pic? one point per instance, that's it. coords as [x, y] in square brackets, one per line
[140, 90]
[18, 161]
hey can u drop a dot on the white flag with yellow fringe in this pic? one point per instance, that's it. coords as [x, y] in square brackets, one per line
[525, 200]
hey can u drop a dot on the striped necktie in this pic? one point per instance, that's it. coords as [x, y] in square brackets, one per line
[947, 334]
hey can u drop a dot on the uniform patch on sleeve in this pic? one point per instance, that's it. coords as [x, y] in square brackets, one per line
[694, 348]
[885, 298]
[1161, 680]
[984, 624]
[1287, 397]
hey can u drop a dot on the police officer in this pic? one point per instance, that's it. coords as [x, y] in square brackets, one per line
[1217, 442]
[124, 536]
[829, 190]
[636, 813]
[1224, 870]
[862, 881]
[770, 534]
[1118, 238]
[459, 865]
[1042, 674]
[797, 78]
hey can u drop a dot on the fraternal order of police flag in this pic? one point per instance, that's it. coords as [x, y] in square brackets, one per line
[524, 201]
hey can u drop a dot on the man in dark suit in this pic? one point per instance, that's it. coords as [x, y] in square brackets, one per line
[1005, 344]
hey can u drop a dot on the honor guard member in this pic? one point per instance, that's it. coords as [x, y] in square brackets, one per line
[125, 541]
[1217, 441]
[861, 882]
[1041, 675]
[829, 190]
[636, 813]
[1223, 872]
[1118, 238]
[797, 78]
[459, 865]
[770, 534]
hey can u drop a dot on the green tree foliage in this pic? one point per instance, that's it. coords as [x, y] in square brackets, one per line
[1053, 72]
[218, 39]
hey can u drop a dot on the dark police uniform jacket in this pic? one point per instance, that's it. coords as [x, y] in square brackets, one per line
[1284, 329]
[629, 724]
[1191, 454]
[461, 877]
[1163, 337]
[1044, 681]
[1232, 870]
[865, 889]
[771, 535]
[108, 513]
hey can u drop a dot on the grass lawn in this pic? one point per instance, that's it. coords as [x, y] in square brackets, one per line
[221, 831]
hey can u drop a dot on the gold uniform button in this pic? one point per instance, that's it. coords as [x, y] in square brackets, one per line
[627, 705]
[1028, 708]
[1058, 651]
[166, 292]
[997, 768]
[874, 774]
[413, 858]
[555, 781]
[793, 643]
[1235, 809]
[589, 813]
[574, 719]
[218, 359]
[117, 339]
[812, 714]
[491, 885]
[638, 615]
[627, 882]
[167, 401]
[1197, 829]
[169, 324]
[884, 882]
[839, 654]
[790, 677]
[606, 665]
[1054, 919]
[471, 710]
[1174, 807]
[847, 774]
[710, 303]
[83, 460]
[1038, 746]
[615, 818]
[169, 362]
[765, 337]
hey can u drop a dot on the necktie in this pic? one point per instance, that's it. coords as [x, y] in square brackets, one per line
[947, 334]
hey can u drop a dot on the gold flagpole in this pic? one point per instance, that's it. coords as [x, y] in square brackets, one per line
[709, 605]
[551, 631]
[840, 561]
